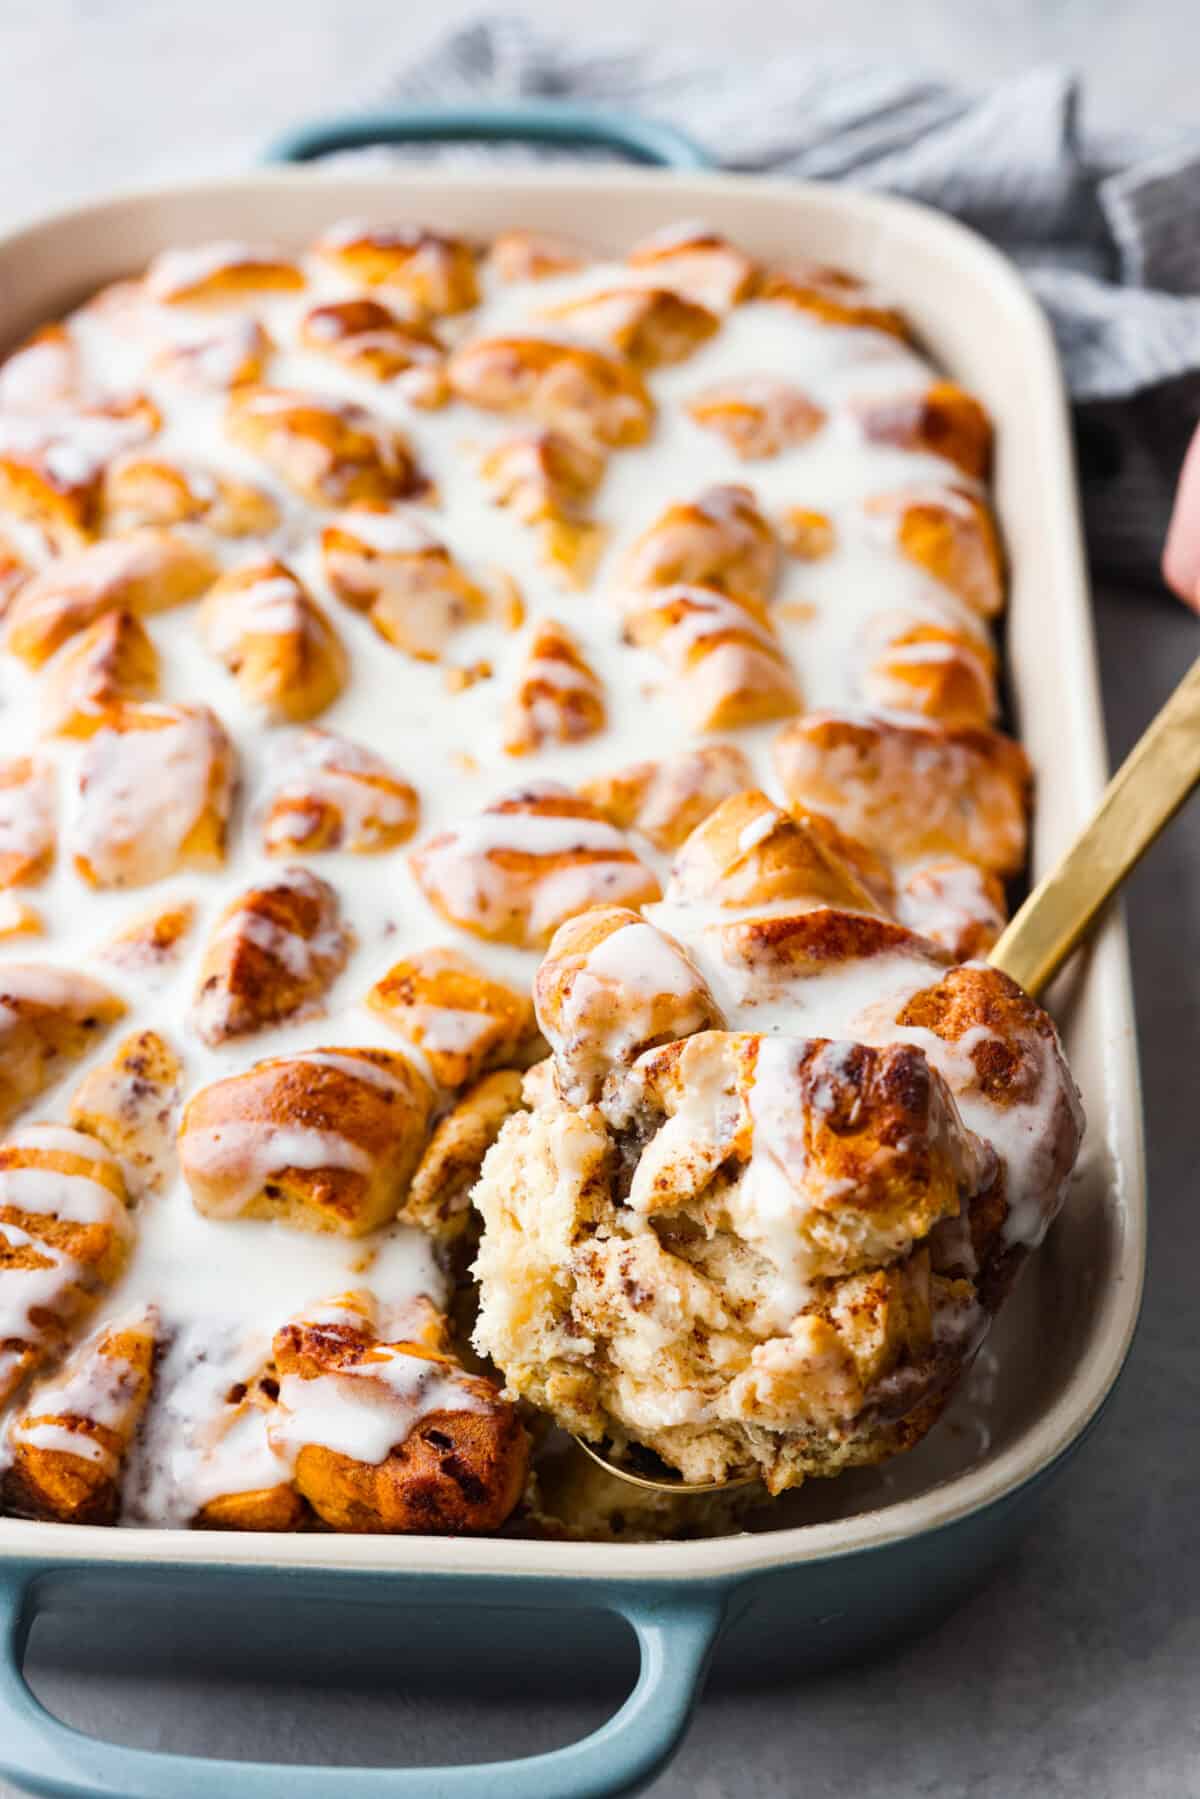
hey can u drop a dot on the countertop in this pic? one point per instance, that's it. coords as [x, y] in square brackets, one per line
[1075, 1671]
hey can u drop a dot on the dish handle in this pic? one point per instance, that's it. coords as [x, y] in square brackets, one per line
[520, 121]
[676, 1630]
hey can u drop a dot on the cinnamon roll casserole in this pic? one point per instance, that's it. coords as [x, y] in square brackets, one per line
[501, 812]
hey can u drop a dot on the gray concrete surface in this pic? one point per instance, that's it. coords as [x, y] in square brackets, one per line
[1075, 1672]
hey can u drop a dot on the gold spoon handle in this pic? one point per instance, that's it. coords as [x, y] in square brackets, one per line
[1147, 790]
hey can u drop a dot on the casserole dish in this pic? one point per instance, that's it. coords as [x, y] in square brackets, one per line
[868, 1556]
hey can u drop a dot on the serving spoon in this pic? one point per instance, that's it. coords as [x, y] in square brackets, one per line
[1143, 796]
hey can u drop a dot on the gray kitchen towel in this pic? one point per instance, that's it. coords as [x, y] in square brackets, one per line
[1107, 230]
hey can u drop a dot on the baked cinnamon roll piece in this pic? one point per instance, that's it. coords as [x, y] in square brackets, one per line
[331, 794]
[42, 372]
[666, 800]
[369, 339]
[67, 1447]
[129, 1104]
[750, 853]
[240, 1482]
[832, 296]
[547, 477]
[220, 273]
[275, 640]
[49, 1017]
[149, 945]
[580, 391]
[943, 420]
[331, 452]
[27, 829]
[129, 831]
[14, 572]
[52, 464]
[146, 572]
[528, 862]
[726, 664]
[275, 952]
[461, 1020]
[951, 534]
[430, 274]
[392, 1436]
[390, 566]
[558, 697]
[910, 790]
[325, 1140]
[720, 539]
[64, 1235]
[612, 985]
[955, 904]
[110, 664]
[735, 1269]
[913, 664]
[155, 490]
[439, 1198]
[807, 534]
[757, 415]
[534, 255]
[18, 919]
[694, 260]
[651, 327]
[234, 353]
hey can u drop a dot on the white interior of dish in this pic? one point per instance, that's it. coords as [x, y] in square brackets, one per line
[1063, 1336]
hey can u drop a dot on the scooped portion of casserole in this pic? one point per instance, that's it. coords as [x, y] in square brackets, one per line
[510, 731]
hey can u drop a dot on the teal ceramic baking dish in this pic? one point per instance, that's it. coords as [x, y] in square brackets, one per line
[844, 1567]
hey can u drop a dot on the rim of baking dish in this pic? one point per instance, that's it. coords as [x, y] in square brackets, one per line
[1034, 1450]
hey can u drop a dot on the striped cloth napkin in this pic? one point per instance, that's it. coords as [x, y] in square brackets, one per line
[1106, 229]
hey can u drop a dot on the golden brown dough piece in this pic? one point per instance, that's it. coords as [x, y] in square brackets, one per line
[234, 353]
[915, 665]
[431, 275]
[236, 1453]
[42, 372]
[439, 1199]
[773, 1309]
[749, 852]
[27, 834]
[666, 800]
[392, 1436]
[611, 986]
[111, 662]
[806, 534]
[275, 951]
[129, 1103]
[757, 415]
[910, 790]
[547, 477]
[69, 1443]
[130, 831]
[391, 567]
[955, 904]
[650, 326]
[721, 539]
[331, 452]
[584, 392]
[726, 665]
[558, 697]
[272, 636]
[369, 339]
[52, 463]
[14, 572]
[532, 859]
[952, 535]
[460, 1018]
[332, 794]
[697, 261]
[49, 1017]
[832, 297]
[146, 572]
[534, 255]
[148, 945]
[220, 273]
[325, 1140]
[64, 1233]
[943, 421]
[18, 919]
[142, 490]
